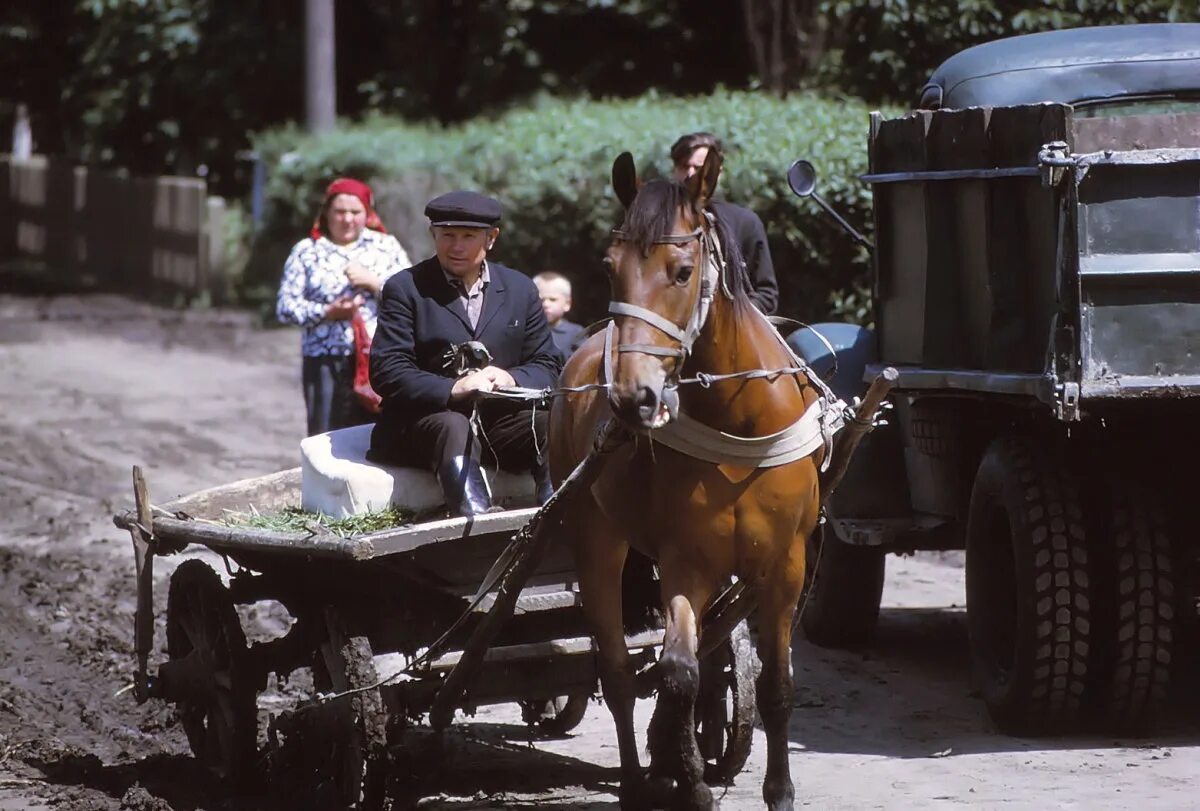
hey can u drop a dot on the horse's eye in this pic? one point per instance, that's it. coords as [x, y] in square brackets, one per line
[684, 274]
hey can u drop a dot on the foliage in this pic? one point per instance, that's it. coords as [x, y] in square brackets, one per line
[295, 519]
[549, 164]
[178, 86]
[887, 49]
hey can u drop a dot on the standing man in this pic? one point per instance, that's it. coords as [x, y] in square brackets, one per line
[687, 156]
[425, 314]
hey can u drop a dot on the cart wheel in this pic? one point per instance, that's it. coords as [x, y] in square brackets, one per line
[556, 716]
[725, 706]
[354, 762]
[205, 635]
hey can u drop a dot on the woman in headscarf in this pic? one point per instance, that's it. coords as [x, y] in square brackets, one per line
[332, 275]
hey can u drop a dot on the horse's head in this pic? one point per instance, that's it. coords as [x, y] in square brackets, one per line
[662, 283]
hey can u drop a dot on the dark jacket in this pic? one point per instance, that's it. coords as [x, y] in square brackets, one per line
[421, 316]
[751, 237]
[567, 336]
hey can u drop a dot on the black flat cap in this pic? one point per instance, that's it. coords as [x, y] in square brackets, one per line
[463, 208]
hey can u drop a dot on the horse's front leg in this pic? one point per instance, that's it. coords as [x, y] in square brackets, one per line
[600, 559]
[673, 729]
[777, 603]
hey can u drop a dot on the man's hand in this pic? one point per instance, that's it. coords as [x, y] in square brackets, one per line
[500, 378]
[359, 276]
[342, 308]
[488, 378]
[467, 385]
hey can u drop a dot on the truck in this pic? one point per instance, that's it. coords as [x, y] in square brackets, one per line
[1037, 285]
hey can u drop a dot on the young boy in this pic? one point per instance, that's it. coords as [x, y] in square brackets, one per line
[555, 292]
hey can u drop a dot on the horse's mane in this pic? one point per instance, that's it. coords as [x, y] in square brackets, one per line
[652, 216]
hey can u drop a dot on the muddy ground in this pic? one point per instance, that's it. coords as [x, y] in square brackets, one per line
[90, 385]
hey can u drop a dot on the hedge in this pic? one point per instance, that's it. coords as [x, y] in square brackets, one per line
[549, 164]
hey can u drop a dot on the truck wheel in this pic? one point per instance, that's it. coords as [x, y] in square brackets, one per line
[1029, 609]
[842, 588]
[1135, 604]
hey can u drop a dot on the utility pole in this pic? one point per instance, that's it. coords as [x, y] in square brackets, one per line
[320, 88]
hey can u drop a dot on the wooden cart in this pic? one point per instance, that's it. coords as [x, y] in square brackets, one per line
[413, 590]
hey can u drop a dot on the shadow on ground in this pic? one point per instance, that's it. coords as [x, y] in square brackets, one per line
[909, 695]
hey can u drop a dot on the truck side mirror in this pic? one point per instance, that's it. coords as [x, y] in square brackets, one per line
[802, 177]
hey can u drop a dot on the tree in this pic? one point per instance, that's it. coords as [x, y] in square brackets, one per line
[885, 50]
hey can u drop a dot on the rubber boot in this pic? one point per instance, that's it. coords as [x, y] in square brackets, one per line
[463, 485]
[541, 480]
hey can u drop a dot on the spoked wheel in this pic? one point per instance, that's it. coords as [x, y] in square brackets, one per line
[556, 716]
[725, 706]
[333, 749]
[209, 658]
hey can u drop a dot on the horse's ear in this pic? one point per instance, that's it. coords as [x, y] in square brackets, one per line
[624, 178]
[707, 178]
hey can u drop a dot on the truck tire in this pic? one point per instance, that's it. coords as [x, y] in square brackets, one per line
[1135, 604]
[843, 585]
[1029, 612]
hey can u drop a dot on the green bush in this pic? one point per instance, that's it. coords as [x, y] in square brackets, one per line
[550, 166]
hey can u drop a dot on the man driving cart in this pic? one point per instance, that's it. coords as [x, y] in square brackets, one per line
[452, 329]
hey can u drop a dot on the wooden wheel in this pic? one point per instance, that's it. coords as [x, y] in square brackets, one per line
[208, 654]
[333, 750]
[725, 706]
[356, 744]
[556, 716]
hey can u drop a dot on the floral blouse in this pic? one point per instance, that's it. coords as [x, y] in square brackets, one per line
[314, 276]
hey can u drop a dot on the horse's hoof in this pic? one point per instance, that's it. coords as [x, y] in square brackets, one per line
[701, 799]
[659, 791]
[648, 792]
[779, 796]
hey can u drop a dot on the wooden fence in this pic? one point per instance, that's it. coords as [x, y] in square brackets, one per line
[151, 234]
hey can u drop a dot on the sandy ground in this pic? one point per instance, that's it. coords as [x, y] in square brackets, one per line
[91, 385]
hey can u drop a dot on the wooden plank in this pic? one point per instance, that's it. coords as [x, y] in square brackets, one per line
[900, 144]
[956, 216]
[267, 494]
[143, 556]
[179, 533]
[406, 539]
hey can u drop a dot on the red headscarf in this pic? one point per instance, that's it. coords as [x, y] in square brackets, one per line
[348, 185]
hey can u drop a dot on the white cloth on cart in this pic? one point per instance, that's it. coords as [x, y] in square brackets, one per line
[337, 479]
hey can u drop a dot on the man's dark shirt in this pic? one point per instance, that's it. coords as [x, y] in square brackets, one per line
[421, 316]
[751, 237]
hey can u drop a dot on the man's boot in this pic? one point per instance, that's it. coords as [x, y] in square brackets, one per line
[541, 480]
[465, 488]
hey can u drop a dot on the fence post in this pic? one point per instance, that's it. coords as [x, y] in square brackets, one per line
[214, 254]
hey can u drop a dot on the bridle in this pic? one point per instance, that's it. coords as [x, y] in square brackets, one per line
[712, 262]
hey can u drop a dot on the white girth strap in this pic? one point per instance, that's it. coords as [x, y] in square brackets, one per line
[797, 441]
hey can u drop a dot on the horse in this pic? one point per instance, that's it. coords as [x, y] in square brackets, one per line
[678, 312]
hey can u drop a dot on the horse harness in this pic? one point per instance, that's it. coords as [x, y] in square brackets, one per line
[813, 429]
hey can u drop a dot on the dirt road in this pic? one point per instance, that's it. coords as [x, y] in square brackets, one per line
[91, 385]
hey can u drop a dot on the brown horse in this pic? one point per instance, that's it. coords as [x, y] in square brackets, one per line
[702, 521]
